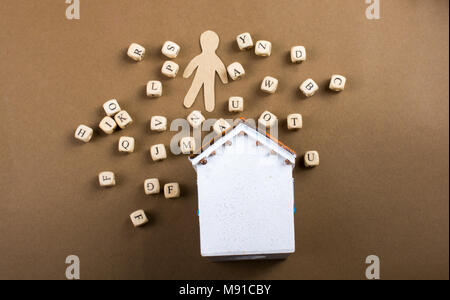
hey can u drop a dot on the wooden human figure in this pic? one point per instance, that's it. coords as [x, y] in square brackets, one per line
[207, 64]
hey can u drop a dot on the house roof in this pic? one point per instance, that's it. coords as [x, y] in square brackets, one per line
[242, 125]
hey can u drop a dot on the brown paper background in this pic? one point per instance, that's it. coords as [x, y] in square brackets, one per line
[381, 188]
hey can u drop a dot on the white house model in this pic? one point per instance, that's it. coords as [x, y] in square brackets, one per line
[245, 196]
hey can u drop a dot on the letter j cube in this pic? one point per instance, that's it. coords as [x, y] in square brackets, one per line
[158, 152]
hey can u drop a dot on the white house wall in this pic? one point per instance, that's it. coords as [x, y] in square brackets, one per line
[246, 201]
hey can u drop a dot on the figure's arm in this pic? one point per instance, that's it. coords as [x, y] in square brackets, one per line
[193, 64]
[222, 71]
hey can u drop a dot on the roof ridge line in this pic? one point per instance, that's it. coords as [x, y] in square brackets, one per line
[243, 121]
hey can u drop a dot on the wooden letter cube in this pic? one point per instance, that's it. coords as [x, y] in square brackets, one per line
[263, 48]
[151, 186]
[170, 49]
[311, 159]
[267, 119]
[236, 104]
[269, 85]
[220, 126]
[111, 107]
[294, 121]
[154, 88]
[309, 87]
[158, 152]
[196, 119]
[236, 71]
[136, 52]
[106, 179]
[172, 190]
[84, 133]
[139, 218]
[337, 83]
[298, 54]
[170, 69]
[244, 41]
[126, 144]
[187, 145]
[158, 123]
[108, 125]
[123, 119]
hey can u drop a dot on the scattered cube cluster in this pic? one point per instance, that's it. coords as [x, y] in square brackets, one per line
[153, 187]
[158, 152]
[269, 84]
[116, 118]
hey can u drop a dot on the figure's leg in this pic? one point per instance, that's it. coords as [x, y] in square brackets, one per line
[208, 90]
[189, 99]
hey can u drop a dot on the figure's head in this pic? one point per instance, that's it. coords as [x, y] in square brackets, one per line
[209, 41]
